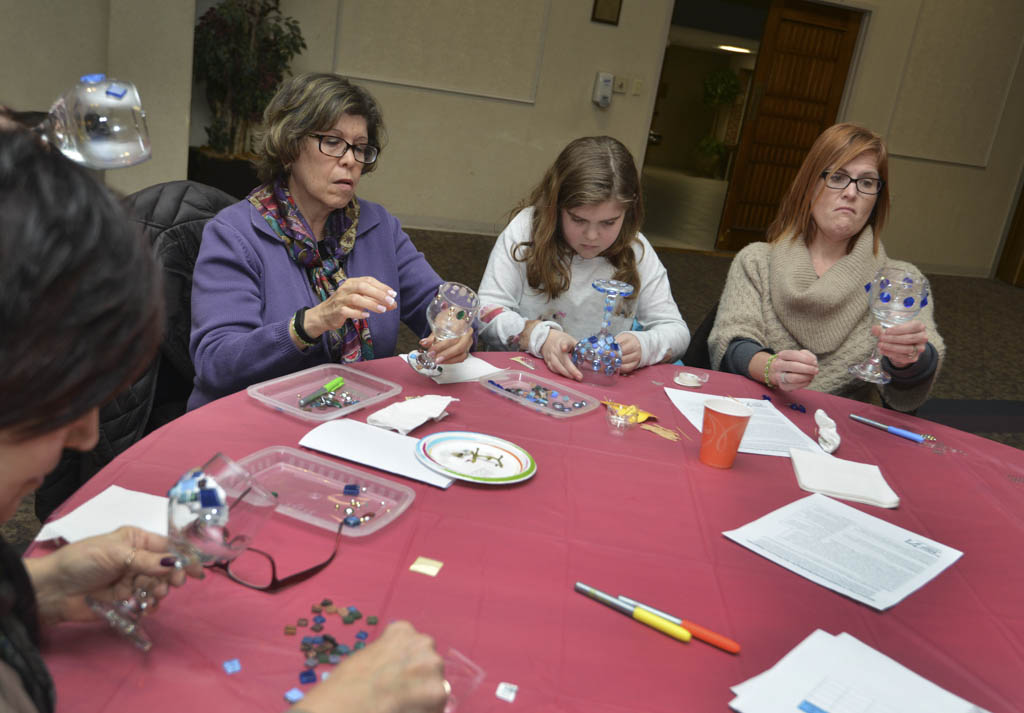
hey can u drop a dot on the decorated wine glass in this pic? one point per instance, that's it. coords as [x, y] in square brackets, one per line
[213, 513]
[599, 357]
[450, 315]
[895, 296]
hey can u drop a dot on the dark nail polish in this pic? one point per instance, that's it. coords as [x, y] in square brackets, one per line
[168, 561]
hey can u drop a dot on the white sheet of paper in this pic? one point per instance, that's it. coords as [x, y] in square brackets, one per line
[840, 673]
[471, 369]
[369, 445]
[846, 550]
[846, 479]
[769, 432]
[114, 507]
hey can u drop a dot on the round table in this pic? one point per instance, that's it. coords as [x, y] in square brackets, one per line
[637, 515]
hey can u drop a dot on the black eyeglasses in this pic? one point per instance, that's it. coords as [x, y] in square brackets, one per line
[868, 185]
[256, 569]
[336, 147]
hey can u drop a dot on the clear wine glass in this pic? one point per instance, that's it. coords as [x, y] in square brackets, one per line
[450, 315]
[98, 123]
[599, 357]
[895, 296]
[213, 513]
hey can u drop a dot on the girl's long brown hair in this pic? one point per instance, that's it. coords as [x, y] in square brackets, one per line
[837, 146]
[588, 171]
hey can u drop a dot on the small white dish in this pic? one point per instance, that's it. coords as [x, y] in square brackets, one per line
[690, 379]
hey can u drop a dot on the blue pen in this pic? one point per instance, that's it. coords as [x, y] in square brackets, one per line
[902, 433]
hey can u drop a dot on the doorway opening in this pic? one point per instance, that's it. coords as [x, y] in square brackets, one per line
[730, 131]
[698, 111]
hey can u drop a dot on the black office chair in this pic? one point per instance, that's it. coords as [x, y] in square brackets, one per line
[172, 216]
[697, 354]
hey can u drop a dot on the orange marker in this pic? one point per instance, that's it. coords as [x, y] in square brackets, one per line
[698, 632]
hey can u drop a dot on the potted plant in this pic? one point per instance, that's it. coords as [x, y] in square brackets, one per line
[242, 50]
[721, 87]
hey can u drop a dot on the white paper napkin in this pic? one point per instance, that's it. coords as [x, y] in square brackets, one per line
[845, 479]
[114, 507]
[403, 416]
[471, 369]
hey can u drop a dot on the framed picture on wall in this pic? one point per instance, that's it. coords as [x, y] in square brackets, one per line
[606, 11]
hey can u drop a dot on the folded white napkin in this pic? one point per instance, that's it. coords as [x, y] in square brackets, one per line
[846, 479]
[403, 416]
[106, 512]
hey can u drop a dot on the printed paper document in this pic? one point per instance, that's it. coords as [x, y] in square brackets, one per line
[768, 433]
[846, 550]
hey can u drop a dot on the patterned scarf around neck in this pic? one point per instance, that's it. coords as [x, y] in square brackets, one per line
[352, 342]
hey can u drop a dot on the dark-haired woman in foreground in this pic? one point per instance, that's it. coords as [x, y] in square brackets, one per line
[80, 316]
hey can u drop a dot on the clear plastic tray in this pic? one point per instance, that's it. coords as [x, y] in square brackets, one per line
[536, 390]
[311, 489]
[283, 393]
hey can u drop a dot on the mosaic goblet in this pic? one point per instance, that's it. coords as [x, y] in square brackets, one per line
[599, 357]
[198, 530]
[450, 315]
[894, 296]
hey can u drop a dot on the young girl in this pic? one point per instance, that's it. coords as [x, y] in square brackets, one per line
[579, 224]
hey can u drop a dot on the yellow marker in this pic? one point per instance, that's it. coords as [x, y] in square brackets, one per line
[663, 625]
[640, 614]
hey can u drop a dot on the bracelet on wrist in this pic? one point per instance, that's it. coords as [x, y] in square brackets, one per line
[768, 371]
[298, 324]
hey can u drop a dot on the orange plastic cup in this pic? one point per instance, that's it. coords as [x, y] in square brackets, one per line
[725, 421]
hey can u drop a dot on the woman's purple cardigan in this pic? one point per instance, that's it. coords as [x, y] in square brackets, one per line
[246, 288]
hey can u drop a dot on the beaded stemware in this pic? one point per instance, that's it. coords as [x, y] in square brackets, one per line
[450, 315]
[198, 514]
[894, 296]
[599, 357]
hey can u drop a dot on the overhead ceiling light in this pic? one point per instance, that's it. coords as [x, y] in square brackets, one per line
[730, 48]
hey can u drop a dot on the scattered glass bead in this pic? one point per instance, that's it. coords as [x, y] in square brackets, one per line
[307, 676]
[294, 695]
[289, 630]
[362, 635]
[232, 666]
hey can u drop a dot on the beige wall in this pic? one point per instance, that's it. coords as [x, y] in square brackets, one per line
[460, 162]
[942, 79]
[939, 78]
[47, 44]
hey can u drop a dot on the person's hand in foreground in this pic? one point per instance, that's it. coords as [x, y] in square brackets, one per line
[903, 344]
[789, 371]
[107, 567]
[399, 673]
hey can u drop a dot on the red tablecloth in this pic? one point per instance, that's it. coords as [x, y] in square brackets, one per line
[636, 515]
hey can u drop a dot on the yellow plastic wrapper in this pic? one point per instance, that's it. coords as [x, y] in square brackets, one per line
[625, 410]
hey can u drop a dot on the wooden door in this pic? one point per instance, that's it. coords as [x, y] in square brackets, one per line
[798, 83]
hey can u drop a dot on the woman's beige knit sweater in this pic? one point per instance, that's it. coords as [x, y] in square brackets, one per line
[774, 297]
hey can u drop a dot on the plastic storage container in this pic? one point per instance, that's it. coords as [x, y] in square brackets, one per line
[312, 489]
[284, 392]
[539, 394]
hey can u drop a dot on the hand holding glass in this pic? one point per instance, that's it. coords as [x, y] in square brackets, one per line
[450, 315]
[894, 297]
[199, 508]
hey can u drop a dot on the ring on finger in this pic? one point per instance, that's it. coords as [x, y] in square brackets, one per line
[783, 379]
[130, 558]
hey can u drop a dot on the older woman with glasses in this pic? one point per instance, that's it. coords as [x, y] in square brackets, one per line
[302, 272]
[794, 314]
